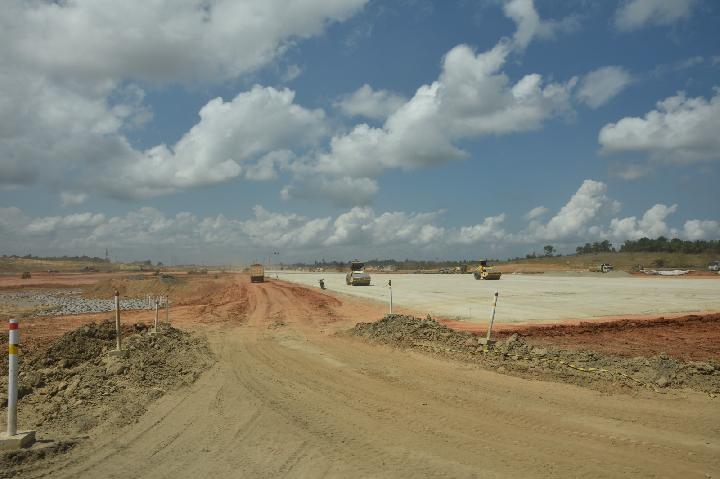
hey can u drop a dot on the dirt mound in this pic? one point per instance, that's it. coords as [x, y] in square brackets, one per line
[72, 385]
[520, 356]
[137, 286]
[690, 338]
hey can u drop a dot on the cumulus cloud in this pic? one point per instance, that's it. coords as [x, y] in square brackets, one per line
[574, 220]
[472, 98]
[584, 218]
[651, 225]
[531, 26]
[680, 130]
[490, 230]
[601, 85]
[635, 14]
[631, 172]
[161, 41]
[341, 191]
[373, 104]
[260, 124]
[536, 213]
[701, 229]
[70, 81]
[361, 225]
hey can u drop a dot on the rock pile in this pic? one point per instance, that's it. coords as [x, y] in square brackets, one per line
[63, 303]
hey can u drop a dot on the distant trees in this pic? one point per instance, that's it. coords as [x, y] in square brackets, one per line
[675, 245]
[597, 247]
[658, 245]
[88, 259]
[549, 250]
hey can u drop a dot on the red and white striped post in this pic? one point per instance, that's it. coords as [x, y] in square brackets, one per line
[13, 342]
[12, 439]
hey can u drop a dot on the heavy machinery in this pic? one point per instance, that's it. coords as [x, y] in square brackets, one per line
[357, 275]
[257, 273]
[484, 272]
[602, 268]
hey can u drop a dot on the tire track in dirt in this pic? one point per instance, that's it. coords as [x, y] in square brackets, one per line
[289, 401]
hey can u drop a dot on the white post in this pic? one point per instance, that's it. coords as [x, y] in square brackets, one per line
[167, 310]
[157, 312]
[390, 286]
[118, 341]
[14, 340]
[492, 318]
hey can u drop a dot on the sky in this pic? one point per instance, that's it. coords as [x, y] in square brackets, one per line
[223, 131]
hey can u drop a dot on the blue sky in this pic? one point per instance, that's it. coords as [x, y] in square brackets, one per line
[217, 131]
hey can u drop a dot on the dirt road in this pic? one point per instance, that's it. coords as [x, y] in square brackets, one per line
[288, 398]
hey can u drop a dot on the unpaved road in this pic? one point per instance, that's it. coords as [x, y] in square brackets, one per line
[287, 398]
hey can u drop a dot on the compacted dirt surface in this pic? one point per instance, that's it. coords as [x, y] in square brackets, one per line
[295, 390]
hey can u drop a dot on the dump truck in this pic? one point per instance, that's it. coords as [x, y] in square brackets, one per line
[257, 273]
[357, 275]
[485, 272]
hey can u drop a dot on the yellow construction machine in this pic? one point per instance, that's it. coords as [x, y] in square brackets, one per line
[484, 272]
[357, 275]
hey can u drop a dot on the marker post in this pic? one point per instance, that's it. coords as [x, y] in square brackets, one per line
[12, 439]
[390, 286]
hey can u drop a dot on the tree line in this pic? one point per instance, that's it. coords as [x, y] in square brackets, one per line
[658, 245]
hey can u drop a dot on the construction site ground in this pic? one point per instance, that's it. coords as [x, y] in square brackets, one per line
[293, 388]
[528, 298]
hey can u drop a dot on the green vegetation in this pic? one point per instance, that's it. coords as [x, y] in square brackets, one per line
[675, 245]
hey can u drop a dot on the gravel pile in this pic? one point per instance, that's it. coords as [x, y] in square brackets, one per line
[62, 303]
[518, 355]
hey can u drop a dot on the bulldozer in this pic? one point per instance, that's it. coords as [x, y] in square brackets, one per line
[357, 275]
[484, 272]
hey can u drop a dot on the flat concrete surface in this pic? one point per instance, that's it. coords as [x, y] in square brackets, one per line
[17, 441]
[527, 298]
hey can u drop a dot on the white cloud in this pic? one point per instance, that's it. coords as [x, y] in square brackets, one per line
[341, 191]
[601, 85]
[634, 14]
[292, 72]
[701, 229]
[651, 225]
[266, 167]
[529, 24]
[162, 41]
[490, 230]
[471, 98]
[69, 84]
[262, 123]
[536, 213]
[574, 220]
[631, 172]
[361, 225]
[680, 130]
[373, 104]
[284, 230]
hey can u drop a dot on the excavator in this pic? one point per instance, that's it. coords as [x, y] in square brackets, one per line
[484, 272]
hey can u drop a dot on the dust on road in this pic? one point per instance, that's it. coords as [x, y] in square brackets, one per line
[288, 398]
